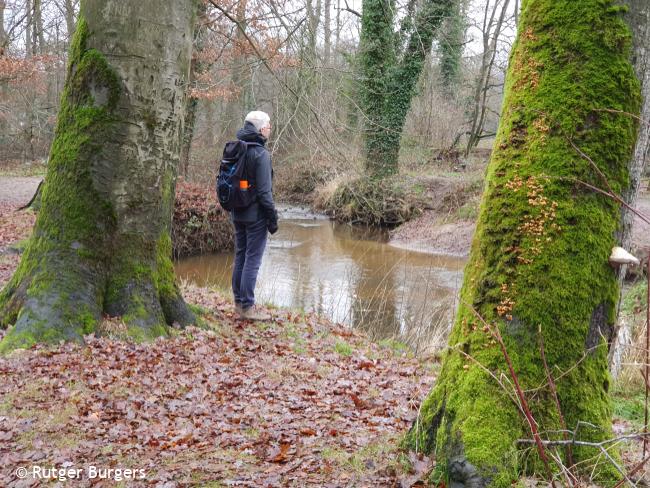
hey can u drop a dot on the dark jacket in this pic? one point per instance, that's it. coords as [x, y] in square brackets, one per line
[260, 176]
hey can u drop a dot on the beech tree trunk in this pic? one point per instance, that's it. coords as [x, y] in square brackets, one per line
[29, 48]
[101, 242]
[39, 33]
[638, 17]
[539, 260]
[327, 32]
[639, 20]
[3, 35]
[196, 67]
[69, 18]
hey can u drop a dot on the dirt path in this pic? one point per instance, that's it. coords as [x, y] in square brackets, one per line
[16, 191]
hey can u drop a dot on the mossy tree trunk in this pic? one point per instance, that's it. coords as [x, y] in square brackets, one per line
[539, 260]
[101, 242]
[391, 64]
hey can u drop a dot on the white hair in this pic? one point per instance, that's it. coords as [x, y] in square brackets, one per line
[258, 119]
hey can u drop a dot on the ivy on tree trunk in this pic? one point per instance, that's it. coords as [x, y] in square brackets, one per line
[101, 243]
[539, 259]
[391, 63]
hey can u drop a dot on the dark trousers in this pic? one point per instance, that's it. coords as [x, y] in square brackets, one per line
[250, 241]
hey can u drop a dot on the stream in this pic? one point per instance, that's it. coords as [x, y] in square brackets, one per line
[350, 275]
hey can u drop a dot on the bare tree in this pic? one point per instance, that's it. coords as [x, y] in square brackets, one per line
[494, 16]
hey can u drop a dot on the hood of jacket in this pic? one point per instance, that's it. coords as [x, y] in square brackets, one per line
[249, 133]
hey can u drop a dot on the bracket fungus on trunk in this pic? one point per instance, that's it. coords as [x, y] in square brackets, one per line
[620, 256]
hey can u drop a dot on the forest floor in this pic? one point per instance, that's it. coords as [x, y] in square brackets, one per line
[295, 401]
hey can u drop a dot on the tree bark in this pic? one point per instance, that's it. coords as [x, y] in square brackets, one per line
[638, 18]
[327, 32]
[313, 20]
[69, 17]
[539, 259]
[196, 67]
[240, 76]
[101, 242]
[29, 48]
[3, 34]
[39, 33]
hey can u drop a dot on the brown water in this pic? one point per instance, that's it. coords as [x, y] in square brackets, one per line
[348, 274]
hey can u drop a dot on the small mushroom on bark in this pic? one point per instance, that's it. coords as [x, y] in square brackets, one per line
[620, 256]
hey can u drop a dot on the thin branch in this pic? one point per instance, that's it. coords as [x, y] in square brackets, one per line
[529, 416]
[633, 471]
[647, 364]
[553, 388]
[351, 10]
[268, 67]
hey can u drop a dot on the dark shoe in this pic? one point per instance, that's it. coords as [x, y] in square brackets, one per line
[254, 313]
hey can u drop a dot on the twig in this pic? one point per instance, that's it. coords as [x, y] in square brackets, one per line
[575, 442]
[494, 377]
[633, 472]
[647, 361]
[615, 197]
[553, 388]
[601, 446]
[522, 398]
[351, 10]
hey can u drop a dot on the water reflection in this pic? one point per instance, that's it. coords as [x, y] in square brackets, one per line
[350, 275]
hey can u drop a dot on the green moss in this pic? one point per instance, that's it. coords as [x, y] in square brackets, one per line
[60, 266]
[343, 348]
[539, 256]
[630, 408]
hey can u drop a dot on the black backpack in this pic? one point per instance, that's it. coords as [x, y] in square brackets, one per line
[233, 189]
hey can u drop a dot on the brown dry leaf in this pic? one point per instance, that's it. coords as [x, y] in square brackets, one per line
[358, 402]
[279, 454]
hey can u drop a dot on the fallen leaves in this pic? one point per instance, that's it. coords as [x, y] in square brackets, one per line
[240, 405]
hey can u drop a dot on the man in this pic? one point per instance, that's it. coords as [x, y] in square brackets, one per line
[253, 222]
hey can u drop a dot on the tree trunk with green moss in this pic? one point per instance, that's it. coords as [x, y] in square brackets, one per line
[539, 259]
[101, 243]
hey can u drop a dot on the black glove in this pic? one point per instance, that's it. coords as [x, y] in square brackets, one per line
[272, 222]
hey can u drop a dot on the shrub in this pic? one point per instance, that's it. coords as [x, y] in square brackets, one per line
[200, 225]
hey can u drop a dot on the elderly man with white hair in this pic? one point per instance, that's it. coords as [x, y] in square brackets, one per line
[253, 222]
